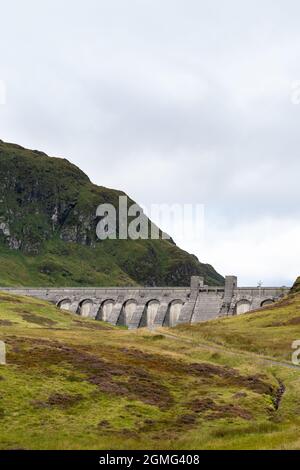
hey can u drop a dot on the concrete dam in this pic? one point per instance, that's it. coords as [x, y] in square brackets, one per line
[137, 307]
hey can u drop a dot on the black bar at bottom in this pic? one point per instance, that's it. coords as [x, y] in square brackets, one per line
[144, 459]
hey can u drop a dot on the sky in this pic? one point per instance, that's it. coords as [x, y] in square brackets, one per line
[174, 102]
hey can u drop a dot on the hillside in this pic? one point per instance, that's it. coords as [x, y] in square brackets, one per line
[48, 231]
[72, 383]
[296, 286]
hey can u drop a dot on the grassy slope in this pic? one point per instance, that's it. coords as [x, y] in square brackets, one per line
[115, 263]
[75, 383]
[64, 264]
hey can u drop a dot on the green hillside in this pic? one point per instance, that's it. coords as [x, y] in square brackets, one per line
[296, 286]
[72, 383]
[48, 231]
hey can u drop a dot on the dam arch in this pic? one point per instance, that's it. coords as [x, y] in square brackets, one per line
[267, 302]
[105, 310]
[85, 308]
[128, 309]
[242, 306]
[149, 313]
[64, 304]
[173, 312]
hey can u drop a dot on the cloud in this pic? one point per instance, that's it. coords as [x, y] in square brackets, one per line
[174, 101]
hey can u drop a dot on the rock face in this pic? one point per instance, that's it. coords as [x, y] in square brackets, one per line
[48, 205]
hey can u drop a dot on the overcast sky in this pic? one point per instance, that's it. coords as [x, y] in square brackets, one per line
[172, 101]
